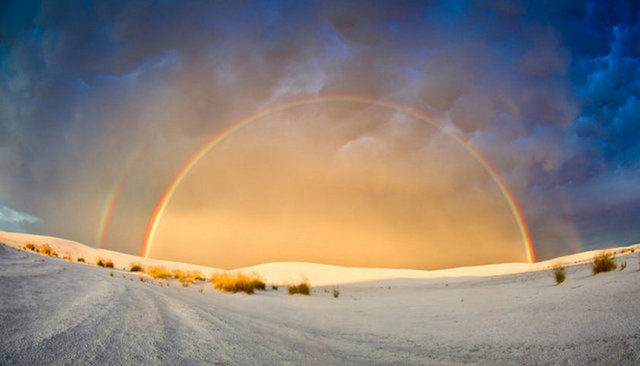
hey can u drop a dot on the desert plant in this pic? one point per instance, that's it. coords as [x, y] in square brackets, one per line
[560, 274]
[274, 287]
[157, 272]
[108, 264]
[302, 289]
[111, 273]
[237, 283]
[30, 246]
[623, 265]
[603, 262]
[136, 268]
[336, 292]
[45, 249]
[100, 262]
[53, 254]
[81, 260]
[633, 249]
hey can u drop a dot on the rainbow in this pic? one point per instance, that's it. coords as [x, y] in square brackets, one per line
[108, 207]
[200, 153]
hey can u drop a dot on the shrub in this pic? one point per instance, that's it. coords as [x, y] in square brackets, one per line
[302, 289]
[274, 287]
[108, 264]
[336, 292]
[100, 262]
[111, 273]
[67, 257]
[81, 260]
[623, 265]
[45, 249]
[560, 274]
[30, 246]
[633, 249]
[54, 254]
[136, 268]
[603, 262]
[237, 283]
[157, 272]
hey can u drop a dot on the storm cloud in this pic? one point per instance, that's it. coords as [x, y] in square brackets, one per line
[97, 93]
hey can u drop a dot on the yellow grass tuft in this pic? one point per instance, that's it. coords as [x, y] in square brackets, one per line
[157, 272]
[237, 283]
[30, 246]
[45, 249]
[136, 268]
[603, 262]
[302, 289]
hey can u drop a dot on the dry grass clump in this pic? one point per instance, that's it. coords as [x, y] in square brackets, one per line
[45, 249]
[187, 278]
[30, 246]
[108, 263]
[302, 289]
[603, 262]
[336, 292]
[623, 265]
[560, 274]
[136, 268]
[158, 273]
[81, 260]
[237, 283]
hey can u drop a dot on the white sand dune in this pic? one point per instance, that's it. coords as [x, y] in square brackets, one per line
[53, 311]
[293, 272]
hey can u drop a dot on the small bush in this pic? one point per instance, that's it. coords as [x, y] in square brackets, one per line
[111, 273]
[67, 257]
[30, 246]
[302, 289]
[603, 262]
[274, 287]
[81, 260]
[45, 249]
[237, 283]
[54, 254]
[136, 268]
[157, 273]
[623, 265]
[633, 249]
[108, 264]
[100, 262]
[560, 274]
[336, 292]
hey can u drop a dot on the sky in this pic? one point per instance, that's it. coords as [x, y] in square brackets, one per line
[103, 102]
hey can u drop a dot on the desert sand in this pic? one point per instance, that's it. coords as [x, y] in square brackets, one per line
[53, 311]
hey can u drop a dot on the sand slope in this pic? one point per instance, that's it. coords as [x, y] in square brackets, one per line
[53, 311]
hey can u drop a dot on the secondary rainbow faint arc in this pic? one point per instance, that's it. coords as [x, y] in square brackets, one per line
[195, 158]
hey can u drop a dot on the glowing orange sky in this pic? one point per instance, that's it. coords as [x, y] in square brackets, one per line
[347, 185]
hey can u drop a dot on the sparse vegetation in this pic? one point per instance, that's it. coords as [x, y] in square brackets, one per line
[560, 274]
[623, 265]
[100, 262]
[157, 273]
[237, 283]
[30, 246]
[302, 289]
[633, 249]
[603, 262]
[111, 273]
[45, 249]
[336, 292]
[108, 264]
[136, 268]
[81, 260]
[67, 257]
[54, 254]
[274, 287]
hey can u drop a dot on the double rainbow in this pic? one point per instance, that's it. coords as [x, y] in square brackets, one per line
[152, 225]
